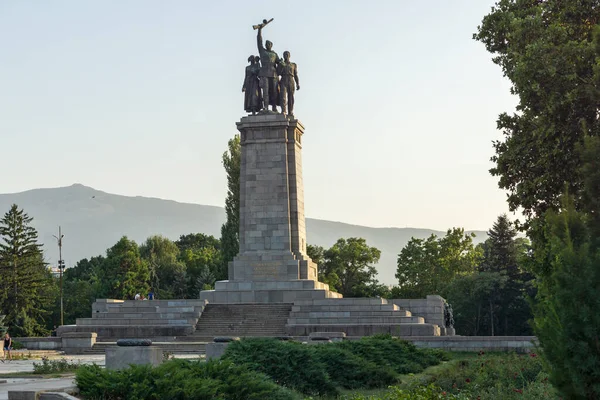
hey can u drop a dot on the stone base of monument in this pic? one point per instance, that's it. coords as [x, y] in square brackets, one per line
[112, 318]
[132, 352]
[232, 292]
[356, 317]
[78, 342]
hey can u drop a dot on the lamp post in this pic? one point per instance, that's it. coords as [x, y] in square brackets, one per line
[61, 266]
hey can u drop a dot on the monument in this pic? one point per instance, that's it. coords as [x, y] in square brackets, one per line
[272, 265]
[273, 286]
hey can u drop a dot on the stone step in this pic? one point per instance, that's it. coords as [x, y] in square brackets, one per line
[347, 307]
[342, 301]
[118, 310]
[254, 319]
[147, 315]
[187, 347]
[356, 320]
[134, 321]
[344, 313]
[160, 303]
[367, 329]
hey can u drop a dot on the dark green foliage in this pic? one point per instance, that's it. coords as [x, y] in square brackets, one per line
[427, 266]
[123, 272]
[567, 321]
[179, 380]
[546, 50]
[165, 270]
[393, 354]
[493, 299]
[230, 239]
[202, 257]
[27, 290]
[351, 371]
[289, 364]
[348, 267]
[367, 363]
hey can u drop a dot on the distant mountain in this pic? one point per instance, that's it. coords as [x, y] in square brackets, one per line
[93, 220]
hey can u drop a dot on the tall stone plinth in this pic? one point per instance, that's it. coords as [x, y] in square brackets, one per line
[272, 264]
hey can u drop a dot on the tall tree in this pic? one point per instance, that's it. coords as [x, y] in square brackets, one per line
[316, 253]
[26, 285]
[230, 239]
[470, 297]
[348, 268]
[165, 269]
[504, 253]
[567, 321]
[427, 266]
[546, 50]
[203, 259]
[123, 272]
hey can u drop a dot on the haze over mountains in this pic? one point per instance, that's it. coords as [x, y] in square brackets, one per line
[93, 220]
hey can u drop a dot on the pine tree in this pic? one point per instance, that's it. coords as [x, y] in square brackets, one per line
[503, 252]
[567, 321]
[26, 284]
[230, 240]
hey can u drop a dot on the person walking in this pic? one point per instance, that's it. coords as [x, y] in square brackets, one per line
[7, 347]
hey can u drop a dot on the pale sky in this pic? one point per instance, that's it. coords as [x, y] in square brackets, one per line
[139, 97]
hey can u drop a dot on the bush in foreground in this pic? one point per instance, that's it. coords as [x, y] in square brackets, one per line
[395, 354]
[179, 380]
[485, 377]
[289, 364]
[371, 362]
[55, 366]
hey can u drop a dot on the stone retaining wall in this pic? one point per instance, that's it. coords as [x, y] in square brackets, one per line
[40, 343]
[475, 343]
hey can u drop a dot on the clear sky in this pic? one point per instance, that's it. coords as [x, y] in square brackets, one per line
[139, 97]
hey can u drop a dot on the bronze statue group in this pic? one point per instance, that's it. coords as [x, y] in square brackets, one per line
[270, 80]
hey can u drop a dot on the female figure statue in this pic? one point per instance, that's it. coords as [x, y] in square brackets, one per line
[252, 99]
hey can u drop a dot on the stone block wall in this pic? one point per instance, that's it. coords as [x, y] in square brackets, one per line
[476, 343]
[430, 308]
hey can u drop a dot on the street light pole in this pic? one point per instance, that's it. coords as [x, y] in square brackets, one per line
[61, 265]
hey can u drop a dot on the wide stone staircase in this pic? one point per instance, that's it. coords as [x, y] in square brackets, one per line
[153, 319]
[356, 317]
[178, 347]
[266, 320]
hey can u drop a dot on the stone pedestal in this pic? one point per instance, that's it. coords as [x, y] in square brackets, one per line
[272, 265]
[78, 342]
[120, 357]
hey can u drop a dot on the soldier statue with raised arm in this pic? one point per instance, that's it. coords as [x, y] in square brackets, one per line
[268, 70]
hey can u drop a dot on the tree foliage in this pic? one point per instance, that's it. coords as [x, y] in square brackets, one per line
[27, 289]
[427, 266]
[546, 49]
[567, 321]
[230, 239]
[165, 269]
[348, 267]
[124, 273]
[203, 261]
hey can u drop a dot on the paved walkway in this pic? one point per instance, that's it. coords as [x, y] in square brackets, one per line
[33, 384]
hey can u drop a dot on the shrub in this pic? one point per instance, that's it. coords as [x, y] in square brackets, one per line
[179, 380]
[17, 345]
[55, 366]
[395, 354]
[497, 376]
[317, 370]
[288, 363]
[351, 371]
